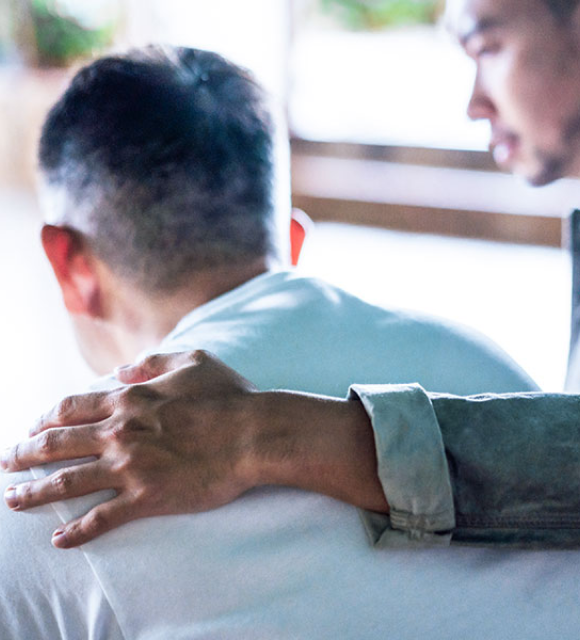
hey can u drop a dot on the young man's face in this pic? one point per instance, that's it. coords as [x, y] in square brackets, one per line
[527, 83]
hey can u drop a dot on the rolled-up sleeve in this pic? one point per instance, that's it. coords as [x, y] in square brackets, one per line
[500, 470]
[412, 467]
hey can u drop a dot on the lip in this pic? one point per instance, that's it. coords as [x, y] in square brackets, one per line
[503, 146]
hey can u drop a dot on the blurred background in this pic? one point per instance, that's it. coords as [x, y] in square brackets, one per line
[409, 209]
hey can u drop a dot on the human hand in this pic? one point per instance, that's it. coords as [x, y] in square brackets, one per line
[179, 439]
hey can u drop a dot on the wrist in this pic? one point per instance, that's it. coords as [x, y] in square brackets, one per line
[315, 443]
[273, 437]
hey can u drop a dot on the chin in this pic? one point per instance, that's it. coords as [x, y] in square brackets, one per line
[543, 173]
[539, 180]
[544, 178]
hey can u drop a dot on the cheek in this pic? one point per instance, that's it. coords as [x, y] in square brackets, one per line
[517, 84]
[507, 86]
[544, 88]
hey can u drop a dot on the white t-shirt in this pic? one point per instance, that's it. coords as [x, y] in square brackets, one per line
[281, 563]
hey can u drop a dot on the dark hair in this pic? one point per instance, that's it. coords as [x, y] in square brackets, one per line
[168, 154]
[561, 8]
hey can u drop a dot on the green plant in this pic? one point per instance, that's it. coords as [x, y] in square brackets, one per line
[55, 35]
[376, 14]
[5, 29]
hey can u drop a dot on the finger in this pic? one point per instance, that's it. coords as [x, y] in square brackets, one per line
[75, 410]
[203, 374]
[53, 445]
[69, 482]
[154, 366]
[97, 521]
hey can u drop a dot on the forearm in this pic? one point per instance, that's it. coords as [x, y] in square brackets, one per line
[318, 444]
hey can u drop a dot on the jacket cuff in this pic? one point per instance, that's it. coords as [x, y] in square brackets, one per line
[412, 468]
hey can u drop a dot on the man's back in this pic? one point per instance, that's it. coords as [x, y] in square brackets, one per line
[44, 594]
[281, 330]
[282, 563]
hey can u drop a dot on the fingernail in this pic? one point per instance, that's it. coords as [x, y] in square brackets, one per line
[122, 367]
[119, 371]
[59, 539]
[11, 498]
[4, 458]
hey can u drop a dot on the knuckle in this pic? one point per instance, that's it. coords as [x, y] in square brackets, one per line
[14, 457]
[200, 357]
[152, 361]
[139, 497]
[153, 364]
[117, 432]
[24, 495]
[65, 408]
[133, 424]
[125, 430]
[127, 395]
[126, 399]
[122, 464]
[48, 442]
[61, 483]
[134, 395]
[94, 523]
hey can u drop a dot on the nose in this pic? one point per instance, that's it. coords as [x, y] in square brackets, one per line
[480, 105]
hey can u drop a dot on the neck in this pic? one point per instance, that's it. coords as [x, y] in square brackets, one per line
[140, 320]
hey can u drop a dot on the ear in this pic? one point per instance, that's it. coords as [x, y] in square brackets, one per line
[300, 225]
[74, 269]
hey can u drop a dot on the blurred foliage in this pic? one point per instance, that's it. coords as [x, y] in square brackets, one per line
[49, 33]
[377, 14]
[4, 29]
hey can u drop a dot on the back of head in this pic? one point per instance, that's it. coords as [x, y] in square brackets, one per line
[164, 157]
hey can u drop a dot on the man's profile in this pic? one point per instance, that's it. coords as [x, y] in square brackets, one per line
[527, 81]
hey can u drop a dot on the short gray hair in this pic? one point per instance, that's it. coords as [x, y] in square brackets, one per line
[168, 153]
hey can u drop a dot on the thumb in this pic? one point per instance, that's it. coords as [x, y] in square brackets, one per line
[152, 367]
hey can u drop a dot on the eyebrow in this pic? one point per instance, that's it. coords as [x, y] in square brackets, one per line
[481, 26]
